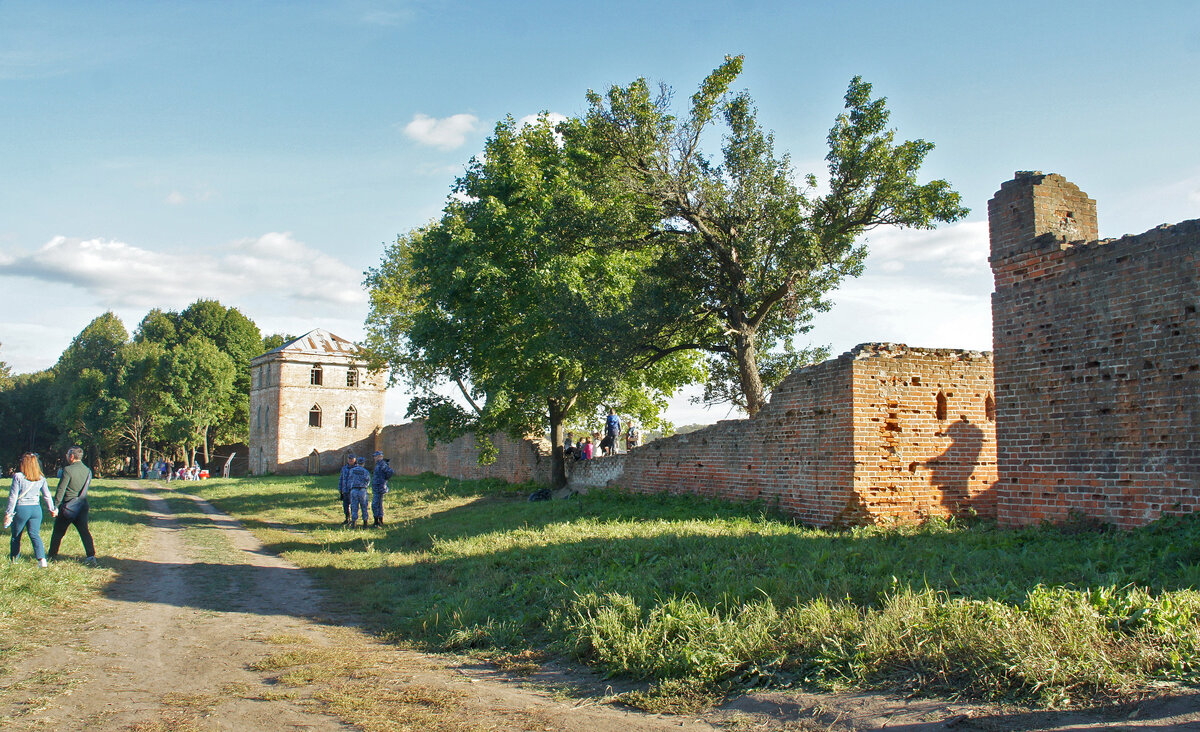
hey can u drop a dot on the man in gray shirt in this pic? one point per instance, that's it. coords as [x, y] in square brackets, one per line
[71, 500]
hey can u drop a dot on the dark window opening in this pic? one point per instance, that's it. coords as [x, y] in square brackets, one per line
[352, 418]
[314, 416]
[315, 377]
[941, 406]
[989, 408]
[352, 377]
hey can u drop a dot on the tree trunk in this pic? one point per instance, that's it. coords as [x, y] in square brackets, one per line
[746, 353]
[206, 456]
[558, 465]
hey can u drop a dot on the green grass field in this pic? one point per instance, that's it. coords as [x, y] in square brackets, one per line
[704, 598]
[30, 594]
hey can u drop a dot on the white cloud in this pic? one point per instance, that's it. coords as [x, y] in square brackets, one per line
[118, 274]
[532, 119]
[175, 198]
[444, 134]
[954, 250]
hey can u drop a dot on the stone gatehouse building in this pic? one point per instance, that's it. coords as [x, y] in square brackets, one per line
[311, 400]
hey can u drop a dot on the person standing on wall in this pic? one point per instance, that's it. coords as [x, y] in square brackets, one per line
[24, 512]
[379, 486]
[71, 499]
[612, 429]
[344, 487]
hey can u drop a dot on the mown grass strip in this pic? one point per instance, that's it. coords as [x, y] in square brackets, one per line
[715, 597]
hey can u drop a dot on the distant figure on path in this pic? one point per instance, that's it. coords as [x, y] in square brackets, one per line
[632, 437]
[379, 486]
[71, 499]
[344, 487]
[359, 480]
[24, 511]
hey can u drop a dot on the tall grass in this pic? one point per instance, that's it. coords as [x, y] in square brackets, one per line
[710, 596]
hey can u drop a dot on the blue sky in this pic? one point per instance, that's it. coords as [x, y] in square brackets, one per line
[155, 152]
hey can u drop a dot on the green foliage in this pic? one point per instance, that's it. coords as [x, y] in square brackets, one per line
[275, 340]
[522, 297]
[230, 332]
[704, 598]
[200, 379]
[748, 255]
[87, 405]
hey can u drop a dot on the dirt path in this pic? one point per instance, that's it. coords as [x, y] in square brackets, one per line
[208, 631]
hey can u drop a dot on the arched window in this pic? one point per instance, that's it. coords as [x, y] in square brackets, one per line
[352, 378]
[315, 376]
[941, 406]
[352, 418]
[989, 408]
[314, 416]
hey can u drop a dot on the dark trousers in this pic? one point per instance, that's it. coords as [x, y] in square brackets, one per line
[346, 505]
[76, 515]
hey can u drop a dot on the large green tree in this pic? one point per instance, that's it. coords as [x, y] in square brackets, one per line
[748, 255]
[87, 407]
[199, 381]
[139, 395]
[523, 299]
[233, 334]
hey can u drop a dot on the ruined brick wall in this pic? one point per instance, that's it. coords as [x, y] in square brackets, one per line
[856, 439]
[1097, 351]
[406, 445]
[924, 433]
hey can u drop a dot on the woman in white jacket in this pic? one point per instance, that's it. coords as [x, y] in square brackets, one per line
[24, 511]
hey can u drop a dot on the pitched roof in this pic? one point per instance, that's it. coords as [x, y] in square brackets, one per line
[320, 342]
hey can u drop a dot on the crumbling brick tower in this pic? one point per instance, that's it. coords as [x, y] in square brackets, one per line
[1097, 360]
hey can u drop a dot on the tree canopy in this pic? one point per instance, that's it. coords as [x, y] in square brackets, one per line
[182, 382]
[748, 253]
[597, 261]
[521, 298]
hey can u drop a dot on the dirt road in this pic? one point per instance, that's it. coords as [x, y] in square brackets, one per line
[207, 631]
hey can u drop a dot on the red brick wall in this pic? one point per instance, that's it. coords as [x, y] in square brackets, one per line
[913, 460]
[852, 440]
[796, 452]
[516, 462]
[1097, 350]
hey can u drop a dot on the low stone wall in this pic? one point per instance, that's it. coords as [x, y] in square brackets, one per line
[407, 446]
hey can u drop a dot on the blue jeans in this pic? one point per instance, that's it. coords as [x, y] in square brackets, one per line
[27, 518]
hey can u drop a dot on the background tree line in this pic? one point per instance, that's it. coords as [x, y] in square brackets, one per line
[608, 259]
[179, 386]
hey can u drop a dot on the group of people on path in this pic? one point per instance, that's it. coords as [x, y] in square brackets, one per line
[354, 482]
[165, 470]
[596, 446]
[68, 506]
